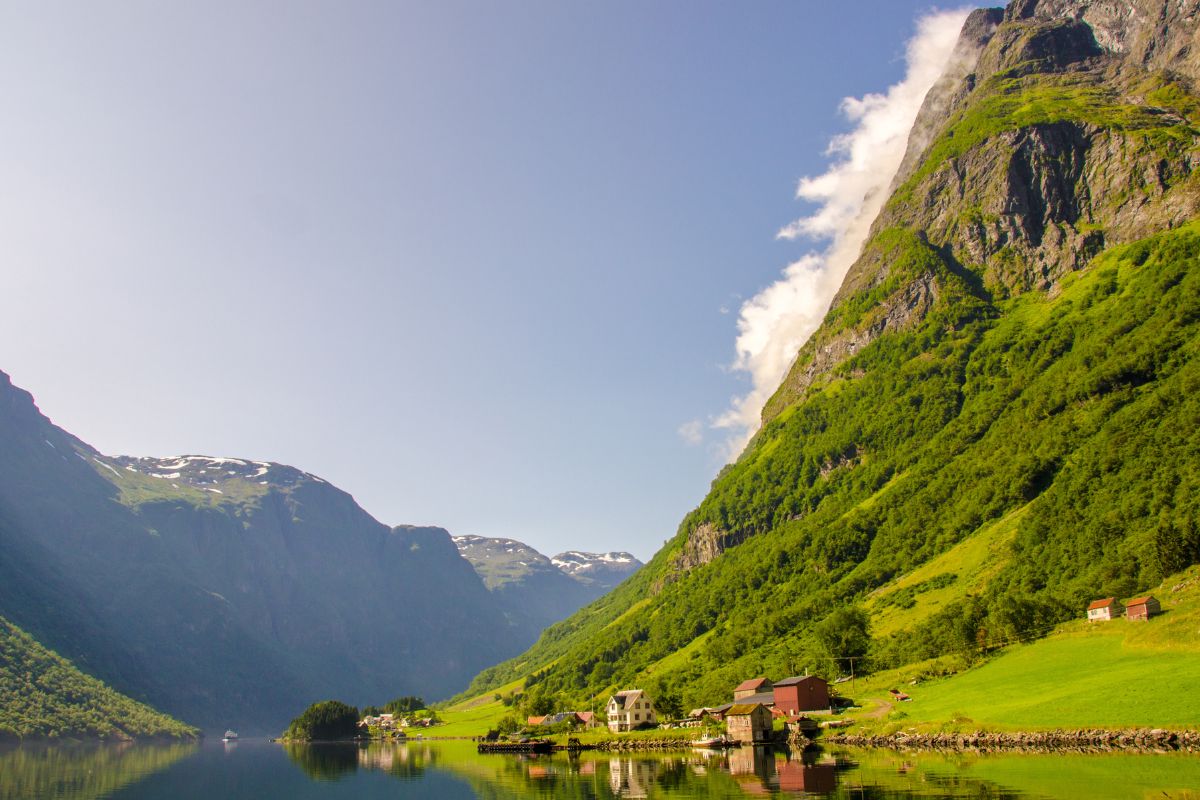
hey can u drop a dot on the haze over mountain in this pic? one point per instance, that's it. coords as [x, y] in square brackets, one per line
[535, 591]
[997, 419]
[233, 592]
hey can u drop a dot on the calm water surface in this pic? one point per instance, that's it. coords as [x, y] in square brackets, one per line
[259, 769]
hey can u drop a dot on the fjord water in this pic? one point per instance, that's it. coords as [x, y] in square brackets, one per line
[259, 769]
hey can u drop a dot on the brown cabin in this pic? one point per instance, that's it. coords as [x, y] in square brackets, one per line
[748, 722]
[751, 687]
[803, 693]
[1142, 608]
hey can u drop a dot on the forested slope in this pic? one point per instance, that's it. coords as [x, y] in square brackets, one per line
[1005, 389]
[43, 696]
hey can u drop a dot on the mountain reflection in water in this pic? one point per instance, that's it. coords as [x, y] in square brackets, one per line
[453, 770]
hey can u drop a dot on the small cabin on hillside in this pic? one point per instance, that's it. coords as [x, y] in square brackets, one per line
[748, 722]
[630, 709]
[1105, 609]
[801, 693]
[1142, 608]
[751, 687]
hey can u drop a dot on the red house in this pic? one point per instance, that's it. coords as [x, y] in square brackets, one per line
[807, 693]
[1142, 608]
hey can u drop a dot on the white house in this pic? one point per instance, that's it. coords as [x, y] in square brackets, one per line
[1105, 609]
[629, 709]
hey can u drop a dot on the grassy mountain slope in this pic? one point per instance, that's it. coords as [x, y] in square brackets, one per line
[997, 420]
[1054, 682]
[42, 695]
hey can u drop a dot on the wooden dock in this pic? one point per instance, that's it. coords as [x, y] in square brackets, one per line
[530, 746]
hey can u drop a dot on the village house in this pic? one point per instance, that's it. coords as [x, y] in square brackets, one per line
[385, 721]
[748, 722]
[802, 693]
[751, 687]
[1142, 608]
[1105, 609]
[630, 709]
[576, 719]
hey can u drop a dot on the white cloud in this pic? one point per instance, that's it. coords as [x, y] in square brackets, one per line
[692, 432]
[776, 322]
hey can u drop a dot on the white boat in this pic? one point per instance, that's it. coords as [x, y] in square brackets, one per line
[715, 742]
[230, 736]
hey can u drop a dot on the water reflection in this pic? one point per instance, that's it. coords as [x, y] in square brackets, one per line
[324, 762]
[455, 770]
[80, 772]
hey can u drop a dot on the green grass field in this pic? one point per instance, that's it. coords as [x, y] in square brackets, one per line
[1107, 675]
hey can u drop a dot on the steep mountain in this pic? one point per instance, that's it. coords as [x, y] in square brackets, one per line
[42, 695]
[998, 419]
[227, 592]
[534, 591]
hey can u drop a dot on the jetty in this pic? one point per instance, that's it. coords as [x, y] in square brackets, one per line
[526, 746]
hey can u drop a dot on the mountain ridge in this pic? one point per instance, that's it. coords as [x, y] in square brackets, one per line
[228, 592]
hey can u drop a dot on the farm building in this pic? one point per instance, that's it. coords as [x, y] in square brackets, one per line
[1105, 609]
[629, 709]
[751, 687]
[749, 722]
[804, 693]
[1142, 608]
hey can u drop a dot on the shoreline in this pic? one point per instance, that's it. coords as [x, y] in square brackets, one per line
[1146, 740]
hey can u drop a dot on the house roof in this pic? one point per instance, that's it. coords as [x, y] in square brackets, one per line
[629, 695]
[535, 720]
[562, 716]
[752, 685]
[1140, 601]
[742, 709]
[1105, 603]
[797, 680]
[765, 698]
[585, 716]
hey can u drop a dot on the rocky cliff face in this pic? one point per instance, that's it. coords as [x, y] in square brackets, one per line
[226, 591]
[1060, 128]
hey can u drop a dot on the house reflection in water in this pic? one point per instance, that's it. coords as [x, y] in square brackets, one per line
[762, 771]
[632, 777]
[799, 775]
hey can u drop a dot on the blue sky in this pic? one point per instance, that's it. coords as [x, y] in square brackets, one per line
[474, 262]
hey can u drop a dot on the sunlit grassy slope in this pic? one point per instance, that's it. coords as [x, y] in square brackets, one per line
[1108, 675]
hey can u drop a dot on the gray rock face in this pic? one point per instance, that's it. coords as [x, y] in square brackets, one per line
[1014, 194]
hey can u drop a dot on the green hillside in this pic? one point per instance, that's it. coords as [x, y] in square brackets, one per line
[998, 421]
[1055, 682]
[43, 696]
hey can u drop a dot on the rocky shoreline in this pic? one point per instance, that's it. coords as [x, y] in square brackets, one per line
[1135, 740]
[648, 745]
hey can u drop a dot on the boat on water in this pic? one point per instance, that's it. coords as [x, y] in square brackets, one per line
[230, 736]
[715, 742]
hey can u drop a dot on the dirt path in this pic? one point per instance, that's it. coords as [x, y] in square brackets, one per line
[885, 707]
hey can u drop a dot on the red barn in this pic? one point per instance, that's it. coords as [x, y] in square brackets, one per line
[807, 693]
[1142, 608]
